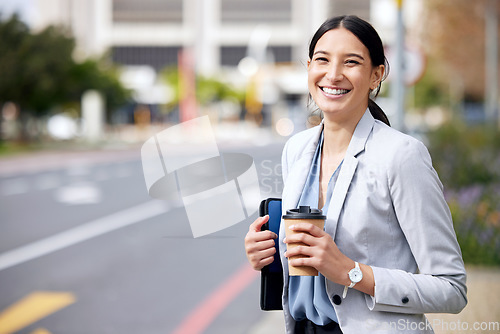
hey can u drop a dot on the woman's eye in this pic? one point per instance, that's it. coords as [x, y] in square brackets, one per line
[352, 62]
[321, 59]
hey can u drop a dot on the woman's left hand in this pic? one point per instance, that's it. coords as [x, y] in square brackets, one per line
[320, 252]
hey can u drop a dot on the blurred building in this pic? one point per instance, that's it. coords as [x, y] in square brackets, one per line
[151, 32]
[146, 36]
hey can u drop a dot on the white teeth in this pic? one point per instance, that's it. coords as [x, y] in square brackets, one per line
[335, 91]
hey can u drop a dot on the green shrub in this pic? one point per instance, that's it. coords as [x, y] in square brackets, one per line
[464, 155]
[476, 216]
[468, 162]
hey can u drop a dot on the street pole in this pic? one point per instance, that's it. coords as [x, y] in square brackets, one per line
[398, 85]
[491, 62]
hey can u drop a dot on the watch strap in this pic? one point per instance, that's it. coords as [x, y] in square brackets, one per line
[345, 291]
[346, 288]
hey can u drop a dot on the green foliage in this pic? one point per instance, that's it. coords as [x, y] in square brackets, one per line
[92, 74]
[38, 71]
[466, 155]
[467, 159]
[33, 66]
[429, 91]
[208, 89]
[476, 216]
[211, 89]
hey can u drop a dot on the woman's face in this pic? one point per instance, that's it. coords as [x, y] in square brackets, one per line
[340, 74]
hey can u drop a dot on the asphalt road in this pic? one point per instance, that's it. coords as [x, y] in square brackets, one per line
[84, 249]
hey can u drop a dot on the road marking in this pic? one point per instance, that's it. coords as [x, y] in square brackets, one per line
[206, 312]
[32, 308]
[79, 193]
[40, 331]
[81, 233]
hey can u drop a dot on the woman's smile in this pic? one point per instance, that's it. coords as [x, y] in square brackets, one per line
[335, 92]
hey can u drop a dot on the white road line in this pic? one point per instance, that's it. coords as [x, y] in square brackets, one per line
[81, 233]
[79, 193]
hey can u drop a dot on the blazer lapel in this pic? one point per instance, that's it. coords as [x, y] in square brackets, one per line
[356, 146]
[297, 176]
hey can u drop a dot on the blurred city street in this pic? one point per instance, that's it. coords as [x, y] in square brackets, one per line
[128, 262]
[91, 93]
[80, 233]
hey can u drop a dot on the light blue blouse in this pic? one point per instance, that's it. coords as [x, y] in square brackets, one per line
[307, 294]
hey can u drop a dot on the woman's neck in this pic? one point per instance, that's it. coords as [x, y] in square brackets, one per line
[337, 135]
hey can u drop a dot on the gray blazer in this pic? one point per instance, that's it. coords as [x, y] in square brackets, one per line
[387, 211]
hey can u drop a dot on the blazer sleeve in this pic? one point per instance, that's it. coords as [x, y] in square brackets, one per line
[425, 219]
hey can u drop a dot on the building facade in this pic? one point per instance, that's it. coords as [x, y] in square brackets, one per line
[219, 32]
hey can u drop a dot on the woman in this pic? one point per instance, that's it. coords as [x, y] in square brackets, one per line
[388, 253]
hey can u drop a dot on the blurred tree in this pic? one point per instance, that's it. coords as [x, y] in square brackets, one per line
[453, 33]
[35, 67]
[430, 91]
[38, 71]
[100, 75]
[207, 89]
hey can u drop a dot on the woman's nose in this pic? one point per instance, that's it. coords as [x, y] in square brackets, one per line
[335, 72]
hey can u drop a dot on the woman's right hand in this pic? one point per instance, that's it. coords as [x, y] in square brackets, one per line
[259, 245]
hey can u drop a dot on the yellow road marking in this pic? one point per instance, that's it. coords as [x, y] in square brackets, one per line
[32, 308]
[40, 331]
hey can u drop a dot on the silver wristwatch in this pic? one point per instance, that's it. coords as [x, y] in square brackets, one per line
[355, 275]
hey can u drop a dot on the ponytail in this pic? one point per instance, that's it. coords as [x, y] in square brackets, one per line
[377, 112]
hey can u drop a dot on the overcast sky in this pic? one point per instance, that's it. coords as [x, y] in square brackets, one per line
[24, 8]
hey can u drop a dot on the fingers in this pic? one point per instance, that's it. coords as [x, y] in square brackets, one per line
[253, 245]
[256, 226]
[255, 230]
[299, 250]
[309, 228]
[302, 262]
[304, 238]
[311, 241]
[262, 258]
[261, 253]
[259, 245]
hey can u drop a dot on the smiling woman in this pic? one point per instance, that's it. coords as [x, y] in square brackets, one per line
[388, 252]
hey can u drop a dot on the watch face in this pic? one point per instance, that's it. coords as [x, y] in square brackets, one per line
[355, 275]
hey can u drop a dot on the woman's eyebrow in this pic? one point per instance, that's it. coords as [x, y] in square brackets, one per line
[355, 55]
[320, 51]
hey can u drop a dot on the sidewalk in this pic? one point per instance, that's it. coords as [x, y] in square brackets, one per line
[482, 310]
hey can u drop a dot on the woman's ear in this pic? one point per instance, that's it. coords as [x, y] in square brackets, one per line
[377, 75]
[308, 63]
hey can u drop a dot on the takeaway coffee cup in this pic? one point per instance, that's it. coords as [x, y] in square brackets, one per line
[304, 214]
